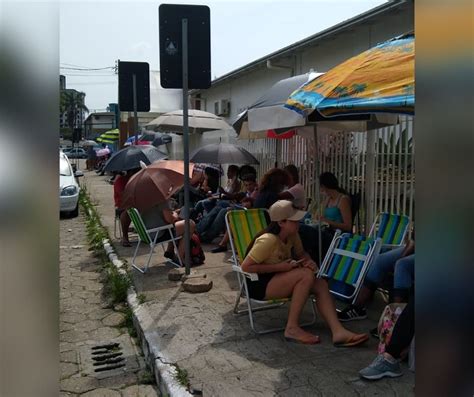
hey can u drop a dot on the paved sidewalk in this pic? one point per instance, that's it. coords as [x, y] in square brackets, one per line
[85, 325]
[221, 355]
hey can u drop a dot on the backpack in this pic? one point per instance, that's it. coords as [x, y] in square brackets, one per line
[197, 254]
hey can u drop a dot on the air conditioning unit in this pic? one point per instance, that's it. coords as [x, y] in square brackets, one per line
[222, 107]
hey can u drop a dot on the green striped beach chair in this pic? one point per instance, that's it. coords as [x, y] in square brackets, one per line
[243, 226]
[346, 263]
[144, 236]
[390, 228]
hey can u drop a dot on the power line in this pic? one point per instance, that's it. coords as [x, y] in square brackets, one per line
[86, 69]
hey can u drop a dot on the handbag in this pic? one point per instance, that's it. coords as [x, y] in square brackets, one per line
[386, 323]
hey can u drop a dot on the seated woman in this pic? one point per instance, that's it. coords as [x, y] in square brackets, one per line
[281, 276]
[162, 215]
[337, 204]
[295, 191]
[208, 187]
[272, 184]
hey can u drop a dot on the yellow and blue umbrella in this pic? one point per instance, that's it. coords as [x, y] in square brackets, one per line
[379, 80]
[110, 136]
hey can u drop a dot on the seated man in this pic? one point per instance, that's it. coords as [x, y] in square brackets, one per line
[212, 224]
[400, 261]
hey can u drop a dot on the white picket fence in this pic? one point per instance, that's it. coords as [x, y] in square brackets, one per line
[379, 164]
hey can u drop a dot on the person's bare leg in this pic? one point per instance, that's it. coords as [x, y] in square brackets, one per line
[179, 232]
[364, 297]
[225, 240]
[296, 283]
[125, 223]
[327, 310]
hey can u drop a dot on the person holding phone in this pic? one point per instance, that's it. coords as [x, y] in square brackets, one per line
[285, 270]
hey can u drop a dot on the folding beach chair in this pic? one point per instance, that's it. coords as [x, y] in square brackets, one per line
[346, 263]
[243, 226]
[144, 236]
[390, 228]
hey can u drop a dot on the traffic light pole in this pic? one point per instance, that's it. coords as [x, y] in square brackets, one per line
[187, 234]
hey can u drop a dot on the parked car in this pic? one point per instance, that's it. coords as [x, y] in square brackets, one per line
[76, 153]
[68, 187]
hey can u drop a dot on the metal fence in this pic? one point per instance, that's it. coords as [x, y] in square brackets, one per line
[378, 164]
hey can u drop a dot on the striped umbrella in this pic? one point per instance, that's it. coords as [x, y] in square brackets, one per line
[379, 80]
[110, 136]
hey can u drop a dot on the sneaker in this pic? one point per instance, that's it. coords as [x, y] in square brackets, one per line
[219, 248]
[381, 368]
[351, 313]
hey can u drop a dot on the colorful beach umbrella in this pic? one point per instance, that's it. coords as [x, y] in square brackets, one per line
[110, 136]
[379, 80]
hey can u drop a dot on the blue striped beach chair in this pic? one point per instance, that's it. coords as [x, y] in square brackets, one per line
[346, 263]
[390, 228]
[144, 236]
[242, 227]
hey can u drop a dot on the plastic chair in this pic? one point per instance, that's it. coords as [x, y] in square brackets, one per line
[145, 237]
[390, 228]
[346, 263]
[243, 226]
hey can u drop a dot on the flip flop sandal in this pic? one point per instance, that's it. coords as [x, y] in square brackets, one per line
[302, 342]
[353, 341]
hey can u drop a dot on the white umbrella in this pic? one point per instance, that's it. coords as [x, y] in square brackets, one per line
[199, 121]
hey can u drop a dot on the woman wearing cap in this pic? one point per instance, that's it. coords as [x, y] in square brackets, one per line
[281, 276]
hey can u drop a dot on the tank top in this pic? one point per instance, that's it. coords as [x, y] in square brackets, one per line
[334, 213]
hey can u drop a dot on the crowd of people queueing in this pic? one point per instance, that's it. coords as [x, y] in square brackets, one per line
[285, 254]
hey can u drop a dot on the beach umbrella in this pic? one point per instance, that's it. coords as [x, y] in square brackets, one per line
[152, 185]
[223, 153]
[199, 122]
[129, 158]
[268, 112]
[110, 136]
[89, 143]
[379, 80]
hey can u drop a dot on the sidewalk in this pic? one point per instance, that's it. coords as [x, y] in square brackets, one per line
[222, 357]
[89, 365]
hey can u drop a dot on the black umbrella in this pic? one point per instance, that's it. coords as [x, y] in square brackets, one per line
[222, 153]
[130, 157]
[161, 139]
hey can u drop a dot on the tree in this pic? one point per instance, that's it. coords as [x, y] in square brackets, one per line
[72, 103]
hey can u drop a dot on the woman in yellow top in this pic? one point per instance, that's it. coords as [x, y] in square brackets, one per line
[285, 270]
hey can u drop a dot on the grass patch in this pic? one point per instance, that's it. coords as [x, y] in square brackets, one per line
[181, 376]
[146, 378]
[129, 322]
[141, 298]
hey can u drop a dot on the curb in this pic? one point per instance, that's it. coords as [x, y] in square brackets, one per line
[164, 373]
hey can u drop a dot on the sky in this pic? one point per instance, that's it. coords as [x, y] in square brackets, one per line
[94, 34]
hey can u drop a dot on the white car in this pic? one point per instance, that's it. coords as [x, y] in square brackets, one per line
[68, 187]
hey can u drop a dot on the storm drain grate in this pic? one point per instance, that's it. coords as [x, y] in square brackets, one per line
[107, 357]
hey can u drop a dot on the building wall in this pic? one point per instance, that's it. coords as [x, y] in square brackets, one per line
[244, 89]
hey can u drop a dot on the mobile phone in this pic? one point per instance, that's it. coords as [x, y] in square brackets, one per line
[298, 261]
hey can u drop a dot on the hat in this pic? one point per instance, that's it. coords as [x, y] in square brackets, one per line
[284, 210]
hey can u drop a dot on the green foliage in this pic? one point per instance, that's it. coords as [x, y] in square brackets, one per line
[129, 322]
[146, 378]
[141, 298]
[116, 285]
[181, 376]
